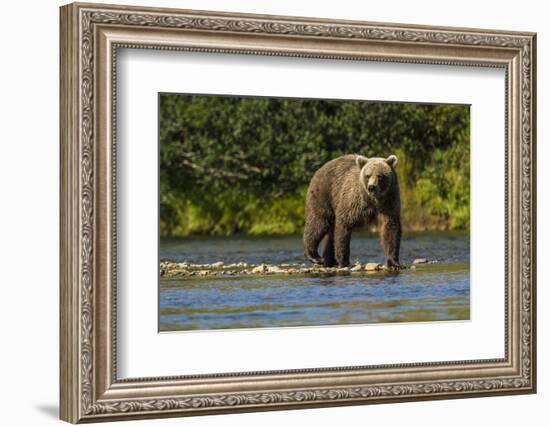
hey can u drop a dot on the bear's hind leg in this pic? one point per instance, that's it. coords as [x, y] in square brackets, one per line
[328, 251]
[314, 231]
[342, 238]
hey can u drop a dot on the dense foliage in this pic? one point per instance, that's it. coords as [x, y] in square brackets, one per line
[242, 165]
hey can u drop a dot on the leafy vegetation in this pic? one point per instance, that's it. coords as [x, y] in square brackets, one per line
[242, 165]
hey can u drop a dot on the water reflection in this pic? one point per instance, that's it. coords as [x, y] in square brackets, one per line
[433, 292]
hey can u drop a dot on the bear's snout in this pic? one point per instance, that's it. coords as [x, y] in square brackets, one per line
[373, 187]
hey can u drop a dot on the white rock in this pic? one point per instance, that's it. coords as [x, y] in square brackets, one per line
[217, 264]
[372, 266]
[357, 267]
[262, 268]
[420, 261]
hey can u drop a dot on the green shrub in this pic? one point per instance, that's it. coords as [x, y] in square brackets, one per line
[242, 165]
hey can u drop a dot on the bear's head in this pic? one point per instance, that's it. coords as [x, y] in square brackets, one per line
[377, 175]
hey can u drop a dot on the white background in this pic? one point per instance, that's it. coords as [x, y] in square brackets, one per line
[29, 173]
[143, 352]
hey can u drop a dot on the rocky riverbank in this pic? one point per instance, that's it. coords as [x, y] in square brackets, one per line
[182, 269]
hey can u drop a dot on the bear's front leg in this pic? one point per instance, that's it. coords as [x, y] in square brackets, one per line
[390, 236]
[342, 238]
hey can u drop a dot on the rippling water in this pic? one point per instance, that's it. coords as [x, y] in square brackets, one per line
[438, 291]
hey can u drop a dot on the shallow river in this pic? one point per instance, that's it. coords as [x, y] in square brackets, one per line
[439, 291]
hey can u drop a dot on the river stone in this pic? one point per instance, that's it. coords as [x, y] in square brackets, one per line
[420, 261]
[217, 264]
[372, 266]
[262, 268]
[274, 269]
[357, 267]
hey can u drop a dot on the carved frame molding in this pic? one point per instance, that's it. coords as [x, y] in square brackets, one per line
[90, 36]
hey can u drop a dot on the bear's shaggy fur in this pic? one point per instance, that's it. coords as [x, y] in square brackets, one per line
[346, 192]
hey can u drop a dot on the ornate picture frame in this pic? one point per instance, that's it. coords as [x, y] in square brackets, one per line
[90, 37]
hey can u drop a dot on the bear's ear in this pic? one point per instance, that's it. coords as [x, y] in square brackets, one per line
[392, 161]
[361, 161]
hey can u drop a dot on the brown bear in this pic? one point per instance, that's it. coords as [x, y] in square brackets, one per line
[348, 191]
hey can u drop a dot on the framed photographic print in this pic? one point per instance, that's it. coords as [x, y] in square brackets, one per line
[265, 212]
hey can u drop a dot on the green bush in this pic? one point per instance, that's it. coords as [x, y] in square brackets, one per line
[242, 165]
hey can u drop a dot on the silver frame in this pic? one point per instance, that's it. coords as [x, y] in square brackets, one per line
[90, 37]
